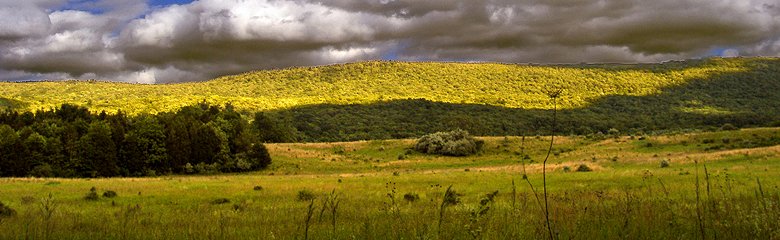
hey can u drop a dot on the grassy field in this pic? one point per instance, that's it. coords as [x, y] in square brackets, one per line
[718, 185]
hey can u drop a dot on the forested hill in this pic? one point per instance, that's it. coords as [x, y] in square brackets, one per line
[503, 85]
[370, 100]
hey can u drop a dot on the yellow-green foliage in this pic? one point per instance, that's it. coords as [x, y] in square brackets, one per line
[507, 85]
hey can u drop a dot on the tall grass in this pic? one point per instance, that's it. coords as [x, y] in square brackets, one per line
[633, 198]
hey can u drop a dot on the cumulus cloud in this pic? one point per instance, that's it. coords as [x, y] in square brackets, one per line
[129, 41]
[22, 20]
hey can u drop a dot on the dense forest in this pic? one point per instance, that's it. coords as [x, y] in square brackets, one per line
[70, 141]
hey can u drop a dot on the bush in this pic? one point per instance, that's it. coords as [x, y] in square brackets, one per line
[411, 197]
[258, 188]
[566, 169]
[220, 201]
[454, 143]
[338, 149]
[189, 169]
[613, 132]
[728, 127]
[109, 194]
[92, 195]
[6, 211]
[43, 170]
[664, 163]
[584, 168]
[258, 157]
[306, 195]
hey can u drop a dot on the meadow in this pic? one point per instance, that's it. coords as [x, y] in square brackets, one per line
[696, 185]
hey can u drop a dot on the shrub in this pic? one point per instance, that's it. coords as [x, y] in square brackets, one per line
[566, 169]
[306, 195]
[454, 143]
[220, 201]
[43, 170]
[584, 168]
[189, 169]
[92, 195]
[239, 206]
[258, 188]
[258, 157]
[411, 197]
[613, 132]
[339, 150]
[728, 127]
[6, 211]
[109, 194]
[664, 163]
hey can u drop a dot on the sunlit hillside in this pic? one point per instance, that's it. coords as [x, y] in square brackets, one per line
[503, 85]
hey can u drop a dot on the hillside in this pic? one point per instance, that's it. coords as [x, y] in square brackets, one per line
[326, 101]
[514, 86]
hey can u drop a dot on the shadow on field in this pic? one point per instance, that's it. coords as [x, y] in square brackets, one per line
[750, 98]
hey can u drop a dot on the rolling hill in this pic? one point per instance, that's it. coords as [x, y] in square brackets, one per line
[400, 99]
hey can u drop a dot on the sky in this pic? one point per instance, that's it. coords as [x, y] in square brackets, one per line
[166, 41]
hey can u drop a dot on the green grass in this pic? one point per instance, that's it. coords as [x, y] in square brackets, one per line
[629, 197]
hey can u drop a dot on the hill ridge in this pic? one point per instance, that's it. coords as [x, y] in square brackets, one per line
[497, 84]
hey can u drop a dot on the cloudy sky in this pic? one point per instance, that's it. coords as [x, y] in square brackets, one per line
[163, 41]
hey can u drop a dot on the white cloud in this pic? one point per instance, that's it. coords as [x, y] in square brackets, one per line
[160, 28]
[126, 41]
[21, 20]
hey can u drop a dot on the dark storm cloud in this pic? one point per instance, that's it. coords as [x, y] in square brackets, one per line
[127, 41]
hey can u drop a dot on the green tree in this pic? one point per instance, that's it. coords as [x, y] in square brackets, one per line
[258, 156]
[8, 151]
[179, 131]
[33, 150]
[206, 143]
[97, 152]
[273, 128]
[144, 148]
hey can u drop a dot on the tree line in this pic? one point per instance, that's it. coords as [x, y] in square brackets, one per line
[70, 141]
